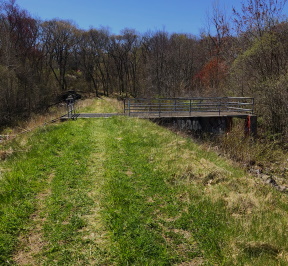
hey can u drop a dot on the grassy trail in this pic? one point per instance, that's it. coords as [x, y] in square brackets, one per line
[123, 191]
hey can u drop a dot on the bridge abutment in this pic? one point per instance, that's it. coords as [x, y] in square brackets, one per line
[211, 125]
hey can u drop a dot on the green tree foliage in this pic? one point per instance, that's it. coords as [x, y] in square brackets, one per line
[261, 71]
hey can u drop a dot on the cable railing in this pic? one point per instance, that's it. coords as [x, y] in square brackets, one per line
[188, 106]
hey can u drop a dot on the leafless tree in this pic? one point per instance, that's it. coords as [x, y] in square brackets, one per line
[59, 39]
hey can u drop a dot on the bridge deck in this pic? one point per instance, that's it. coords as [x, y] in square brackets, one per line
[150, 115]
[190, 107]
[240, 107]
[160, 115]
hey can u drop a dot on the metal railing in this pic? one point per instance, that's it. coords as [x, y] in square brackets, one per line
[70, 107]
[162, 106]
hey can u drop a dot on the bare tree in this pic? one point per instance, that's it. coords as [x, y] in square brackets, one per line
[258, 16]
[20, 58]
[59, 39]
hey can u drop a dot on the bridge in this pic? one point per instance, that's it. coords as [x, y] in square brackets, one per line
[209, 114]
[189, 107]
[212, 114]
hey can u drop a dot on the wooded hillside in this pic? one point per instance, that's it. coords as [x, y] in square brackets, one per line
[245, 56]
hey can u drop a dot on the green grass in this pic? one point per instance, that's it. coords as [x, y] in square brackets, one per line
[132, 179]
[123, 191]
[55, 151]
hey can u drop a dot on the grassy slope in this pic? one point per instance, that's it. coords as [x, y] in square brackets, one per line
[126, 191]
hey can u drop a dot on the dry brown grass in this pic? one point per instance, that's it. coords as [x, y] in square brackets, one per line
[95, 231]
[35, 121]
[100, 105]
[242, 203]
[189, 167]
[85, 103]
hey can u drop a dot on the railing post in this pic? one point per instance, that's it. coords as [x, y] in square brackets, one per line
[190, 106]
[129, 107]
[73, 111]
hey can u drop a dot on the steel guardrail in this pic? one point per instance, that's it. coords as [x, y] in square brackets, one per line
[134, 106]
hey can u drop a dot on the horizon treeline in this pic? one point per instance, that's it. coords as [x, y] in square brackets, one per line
[247, 55]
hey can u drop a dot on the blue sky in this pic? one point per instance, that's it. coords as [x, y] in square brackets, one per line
[180, 16]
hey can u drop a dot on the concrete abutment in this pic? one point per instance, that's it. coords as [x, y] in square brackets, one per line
[211, 125]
